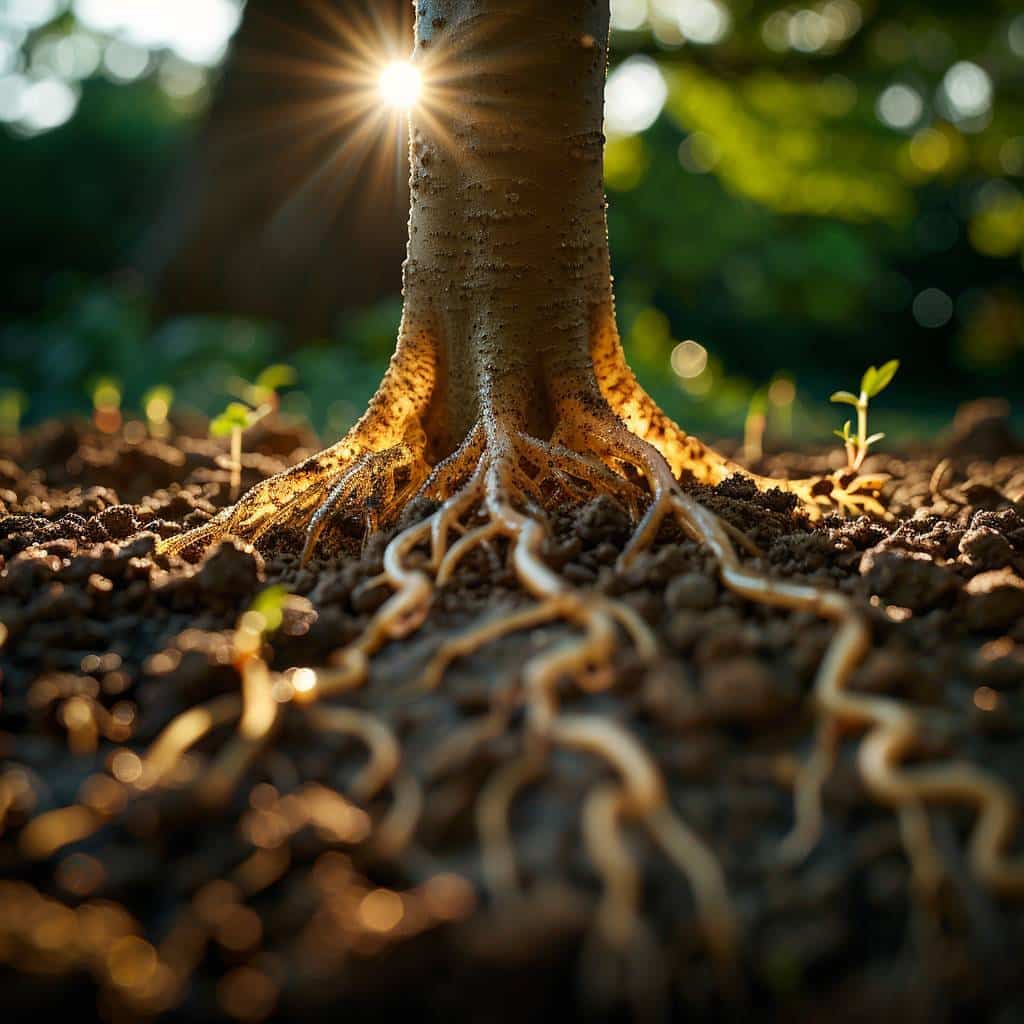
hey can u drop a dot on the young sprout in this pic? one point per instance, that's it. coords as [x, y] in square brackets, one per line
[156, 404]
[264, 390]
[754, 427]
[106, 405]
[263, 617]
[875, 380]
[230, 423]
[12, 408]
[259, 399]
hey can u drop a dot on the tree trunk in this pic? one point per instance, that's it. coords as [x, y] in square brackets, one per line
[508, 268]
[285, 208]
[509, 378]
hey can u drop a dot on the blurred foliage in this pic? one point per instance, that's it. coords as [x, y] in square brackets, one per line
[823, 184]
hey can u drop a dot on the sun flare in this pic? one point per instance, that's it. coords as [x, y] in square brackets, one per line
[400, 85]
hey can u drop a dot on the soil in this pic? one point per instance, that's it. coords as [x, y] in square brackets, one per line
[272, 905]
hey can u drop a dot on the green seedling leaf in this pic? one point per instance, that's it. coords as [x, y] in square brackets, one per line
[873, 439]
[275, 377]
[885, 376]
[270, 604]
[877, 379]
[235, 417]
[845, 396]
[240, 388]
[844, 434]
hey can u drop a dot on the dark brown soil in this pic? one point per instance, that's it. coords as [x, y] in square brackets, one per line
[90, 612]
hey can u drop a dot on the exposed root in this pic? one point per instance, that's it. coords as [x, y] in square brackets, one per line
[494, 491]
[504, 475]
[473, 640]
[689, 458]
[893, 732]
[492, 820]
[385, 752]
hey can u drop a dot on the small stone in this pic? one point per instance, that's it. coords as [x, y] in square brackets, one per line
[692, 592]
[231, 568]
[742, 690]
[996, 600]
[986, 548]
[911, 579]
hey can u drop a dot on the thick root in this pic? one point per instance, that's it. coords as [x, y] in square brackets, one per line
[493, 492]
[689, 458]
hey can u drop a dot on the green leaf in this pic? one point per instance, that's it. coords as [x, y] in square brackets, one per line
[840, 435]
[275, 377]
[234, 417]
[845, 396]
[239, 387]
[884, 376]
[867, 382]
[844, 434]
[270, 604]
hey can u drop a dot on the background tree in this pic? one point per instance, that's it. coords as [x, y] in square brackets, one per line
[861, 162]
[286, 208]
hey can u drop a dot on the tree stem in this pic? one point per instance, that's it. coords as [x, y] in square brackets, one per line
[508, 251]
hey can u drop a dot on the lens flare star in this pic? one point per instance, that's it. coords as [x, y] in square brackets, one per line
[400, 85]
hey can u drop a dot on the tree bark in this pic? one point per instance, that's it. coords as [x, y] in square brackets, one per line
[286, 208]
[508, 268]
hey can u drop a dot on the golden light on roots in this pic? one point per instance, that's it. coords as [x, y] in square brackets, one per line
[493, 474]
[400, 85]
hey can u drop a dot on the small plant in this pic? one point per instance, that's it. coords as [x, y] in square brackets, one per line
[236, 418]
[156, 405]
[259, 399]
[264, 389]
[875, 380]
[754, 426]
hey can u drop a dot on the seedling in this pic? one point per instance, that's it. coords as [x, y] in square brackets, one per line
[875, 380]
[156, 404]
[264, 390]
[259, 399]
[231, 423]
[754, 427]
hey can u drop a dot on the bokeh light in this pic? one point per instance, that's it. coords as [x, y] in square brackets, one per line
[900, 106]
[628, 15]
[196, 30]
[966, 91]
[703, 21]
[634, 96]
[689, 359]
[932, 308]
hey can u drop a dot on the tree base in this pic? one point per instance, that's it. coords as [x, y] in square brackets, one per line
[614, 758]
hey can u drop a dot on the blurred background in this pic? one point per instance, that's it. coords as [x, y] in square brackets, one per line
[796, 191]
